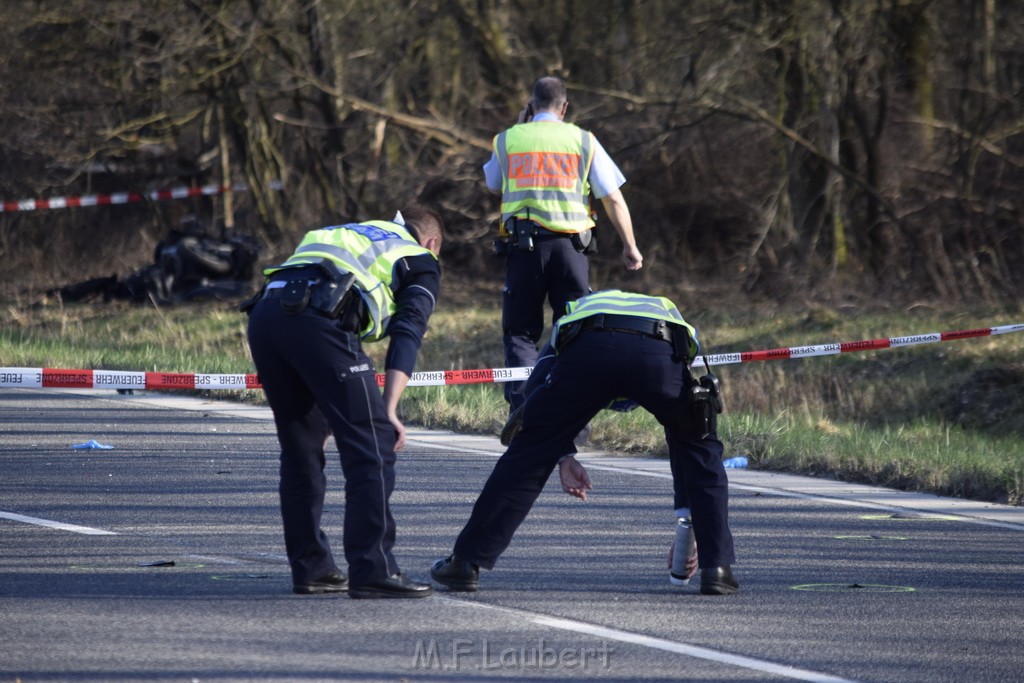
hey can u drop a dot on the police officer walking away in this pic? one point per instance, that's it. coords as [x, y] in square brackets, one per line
[545, 170]
[609, 344]
[343, 285]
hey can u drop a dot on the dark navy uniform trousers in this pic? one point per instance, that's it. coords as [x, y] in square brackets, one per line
[318, 380]
[554, 272]
[593, 370]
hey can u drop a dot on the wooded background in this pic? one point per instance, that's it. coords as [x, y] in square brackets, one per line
[781, 147]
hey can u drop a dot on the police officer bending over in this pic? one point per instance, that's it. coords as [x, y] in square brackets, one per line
[609, 344]
[345, 284]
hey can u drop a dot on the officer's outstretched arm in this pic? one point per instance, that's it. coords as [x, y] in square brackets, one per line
[394, 386]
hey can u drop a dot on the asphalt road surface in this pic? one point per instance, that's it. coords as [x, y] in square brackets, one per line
[161, 559]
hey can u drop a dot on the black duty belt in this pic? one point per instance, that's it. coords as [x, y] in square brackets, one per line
[544, 234]
[273, 293]
[341, 309]
[536, 229]
[648, 327]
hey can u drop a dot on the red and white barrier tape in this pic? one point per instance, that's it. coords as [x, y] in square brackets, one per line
[120, 197]
[37, 378]
[848, 347]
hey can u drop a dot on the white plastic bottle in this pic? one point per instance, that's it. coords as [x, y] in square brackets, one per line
[685, 545]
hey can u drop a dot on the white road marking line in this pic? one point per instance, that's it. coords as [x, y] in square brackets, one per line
[89, 531]
[657, 643]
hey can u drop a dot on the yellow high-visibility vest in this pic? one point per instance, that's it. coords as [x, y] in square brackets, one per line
[617, 302]
[367, 250]
[544, 171]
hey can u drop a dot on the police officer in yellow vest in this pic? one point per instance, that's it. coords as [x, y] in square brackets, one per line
[343, 285]
[545, 170]
[609, 344]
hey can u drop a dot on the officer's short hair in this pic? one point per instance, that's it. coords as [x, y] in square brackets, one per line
[549, 93]
[423, 222]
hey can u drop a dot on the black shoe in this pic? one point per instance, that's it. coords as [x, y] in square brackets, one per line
[396, 586]
[335, 582]
[718, 581]
[456, 574]
[511, 428]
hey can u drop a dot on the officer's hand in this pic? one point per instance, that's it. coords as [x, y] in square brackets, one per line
[574, 478]
[399, 432]
[632, 257]
[526, 115]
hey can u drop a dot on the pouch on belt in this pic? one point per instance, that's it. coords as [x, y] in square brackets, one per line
[295, 296]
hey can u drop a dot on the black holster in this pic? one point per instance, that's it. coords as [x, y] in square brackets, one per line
[704, 406]
[332, 298]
